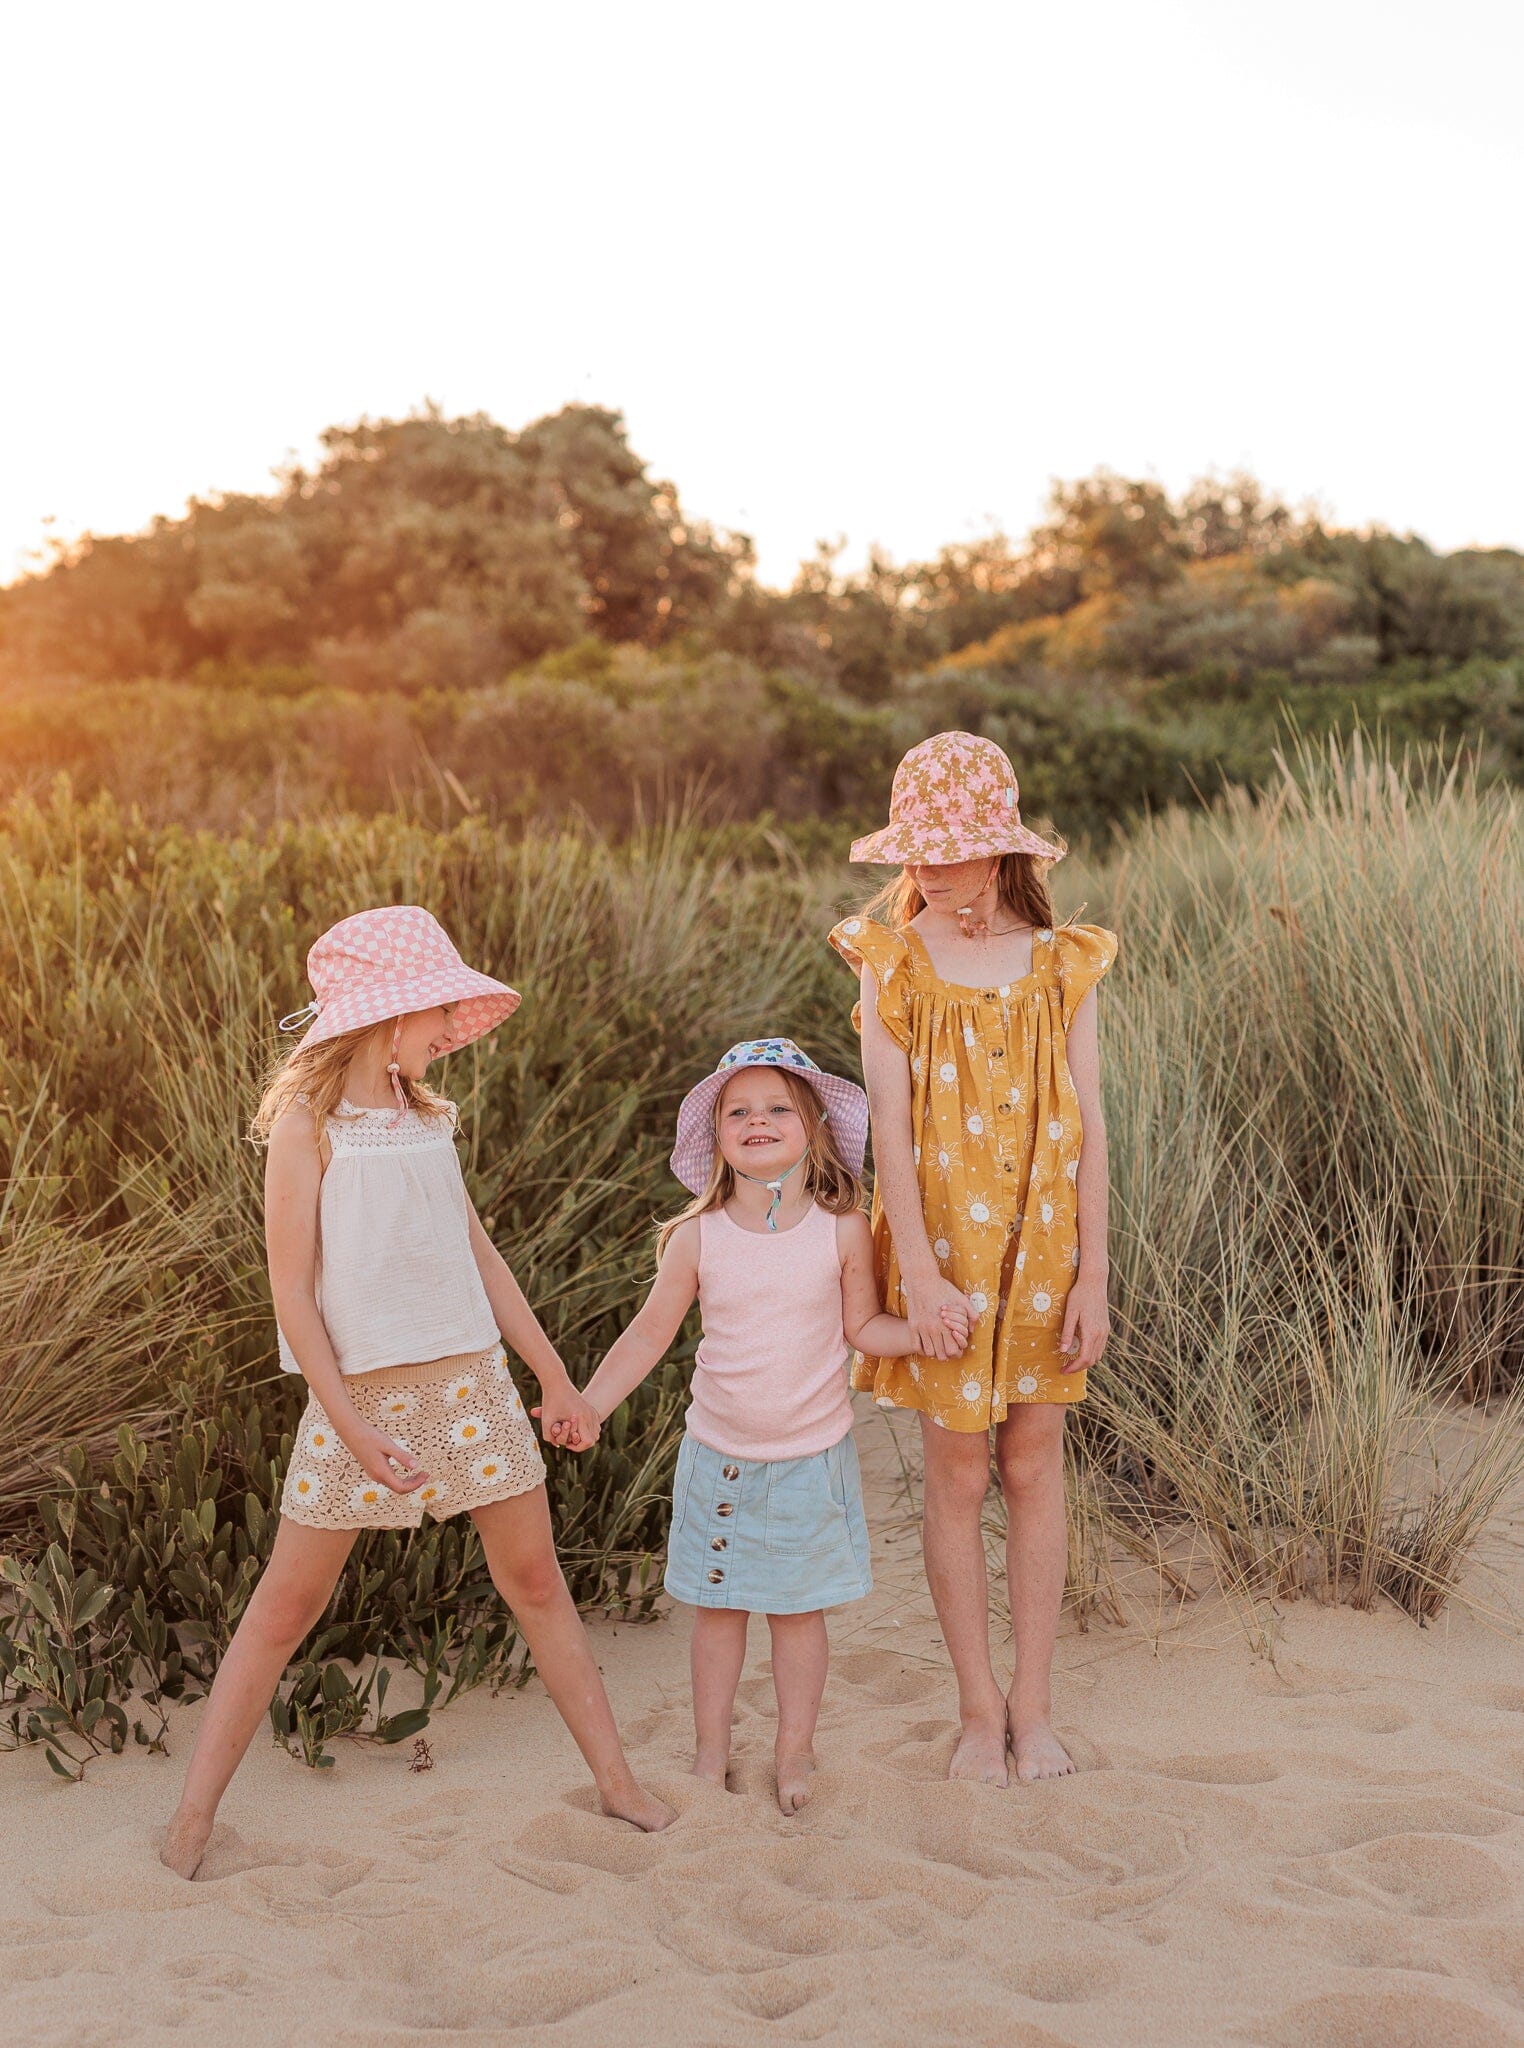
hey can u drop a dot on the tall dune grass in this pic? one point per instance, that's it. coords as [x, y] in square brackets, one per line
[1313, 1047]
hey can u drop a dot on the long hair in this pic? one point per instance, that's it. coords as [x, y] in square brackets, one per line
[314, 1075]
[1023, 885]
[828, 1179]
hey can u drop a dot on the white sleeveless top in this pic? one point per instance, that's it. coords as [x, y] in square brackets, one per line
[396, 1279]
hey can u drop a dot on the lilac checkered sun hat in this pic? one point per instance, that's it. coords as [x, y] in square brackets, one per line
[844, 1102]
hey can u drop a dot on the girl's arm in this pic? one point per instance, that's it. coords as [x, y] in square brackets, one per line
[866, 1325]
[293, 1178]
[645, 1343]
[886, 1069]
[561, 1407]
[1087, 1319]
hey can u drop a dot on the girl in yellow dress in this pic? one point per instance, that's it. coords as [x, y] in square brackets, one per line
[980, 1051]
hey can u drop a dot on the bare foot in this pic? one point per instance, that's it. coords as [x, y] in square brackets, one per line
[980, 1754]
[185, 1844]
[641, 1809]
[794, 1772]
[1039, 1753]
[713, 1767]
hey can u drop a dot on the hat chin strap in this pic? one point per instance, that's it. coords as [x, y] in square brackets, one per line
[978, 928]
[394, 1069]
[775, 1185]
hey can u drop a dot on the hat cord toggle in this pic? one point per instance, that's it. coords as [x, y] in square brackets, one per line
[775, 1185]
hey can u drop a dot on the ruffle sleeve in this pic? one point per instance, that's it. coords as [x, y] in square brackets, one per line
[1085, 953]
[862, 942]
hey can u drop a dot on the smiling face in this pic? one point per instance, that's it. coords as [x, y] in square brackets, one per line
[426, 1035]
[761, 1131]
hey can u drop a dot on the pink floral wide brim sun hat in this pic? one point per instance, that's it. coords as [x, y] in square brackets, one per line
[954, 798]
[845, 1105]
[388, 963]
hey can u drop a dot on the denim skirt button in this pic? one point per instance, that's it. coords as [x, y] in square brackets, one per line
[726, 1507]
[715, 1576]
[732, 1471]
[718, 1543]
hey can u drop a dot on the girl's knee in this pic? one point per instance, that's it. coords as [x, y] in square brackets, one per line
[280, 1616]
[1028, 1460]
[532, 1581]
[959, 1489]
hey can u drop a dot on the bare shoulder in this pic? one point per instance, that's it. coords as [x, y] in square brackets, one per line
[683, 1245]
[292, 1152]
[854, 1236]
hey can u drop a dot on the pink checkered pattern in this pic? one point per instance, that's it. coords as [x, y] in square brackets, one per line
[389, 962]
[954, 798]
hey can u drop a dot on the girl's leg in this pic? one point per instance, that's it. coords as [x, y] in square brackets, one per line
[1029, 1452]
[715, 1657]
[521, 1556]
[293, 1590]
[801, 1653]
[957, 1477]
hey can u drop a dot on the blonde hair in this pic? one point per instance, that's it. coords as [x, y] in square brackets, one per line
[828, 1179]
[1023, 885]
[313, 1078]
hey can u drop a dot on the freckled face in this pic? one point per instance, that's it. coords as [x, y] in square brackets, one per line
[953, 886]
[760, 1130]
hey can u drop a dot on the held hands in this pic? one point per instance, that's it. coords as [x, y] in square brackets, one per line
[382, 1458]
[568, 1419]
[939, 1315]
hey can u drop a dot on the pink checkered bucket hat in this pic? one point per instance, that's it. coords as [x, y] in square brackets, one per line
[845, 1105]
[386, 963]
[954, 798]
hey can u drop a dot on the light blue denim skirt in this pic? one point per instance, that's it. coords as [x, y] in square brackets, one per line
[772, 1536]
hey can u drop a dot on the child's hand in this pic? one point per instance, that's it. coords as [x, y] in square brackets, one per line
[382, 1458]
[957, 1321]
[568, 1420]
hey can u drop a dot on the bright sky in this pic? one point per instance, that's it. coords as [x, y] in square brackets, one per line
[849, 267]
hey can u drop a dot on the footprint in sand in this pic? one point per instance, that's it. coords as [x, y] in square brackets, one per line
[1365, 1717]
[887, 1678]
[1503, 1699]
[1338, 1824]
[1238, 1768]
[1413, 2017]
[1431, 1877]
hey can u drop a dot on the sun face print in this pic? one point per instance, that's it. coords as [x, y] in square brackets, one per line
[398, 1406]
[975, 1125]
[307, 1488]
[471, 1429]
[978, 1213]
[971, 1390]
[942, 1249]
[458, 1393]
[1027, 1384]
[322, 1439]
[947, 1074]
[365, 1499]
[978, 1302]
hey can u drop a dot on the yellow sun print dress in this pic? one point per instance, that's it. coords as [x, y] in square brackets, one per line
[995, 1124]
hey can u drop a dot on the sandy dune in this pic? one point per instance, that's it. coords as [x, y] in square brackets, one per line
[1326, 1852]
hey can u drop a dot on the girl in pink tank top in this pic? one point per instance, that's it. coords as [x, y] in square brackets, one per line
[767, 1514]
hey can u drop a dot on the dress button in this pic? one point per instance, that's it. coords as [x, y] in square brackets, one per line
[716, 1576]
[726, 1507]
[989, 995]
[1010, 1166]
[719, 1542]
[1005, 1109]
[732, 1471]
[997, 1052]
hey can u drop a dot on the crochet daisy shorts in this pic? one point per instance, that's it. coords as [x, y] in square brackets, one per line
[461, 1417]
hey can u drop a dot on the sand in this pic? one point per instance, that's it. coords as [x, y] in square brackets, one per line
[1325, 1850]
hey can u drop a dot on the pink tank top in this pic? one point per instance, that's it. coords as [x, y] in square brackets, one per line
[769, 1380]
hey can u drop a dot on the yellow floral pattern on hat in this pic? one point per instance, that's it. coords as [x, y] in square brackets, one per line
[995, 1127]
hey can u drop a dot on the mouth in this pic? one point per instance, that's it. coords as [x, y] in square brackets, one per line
[747, 1143]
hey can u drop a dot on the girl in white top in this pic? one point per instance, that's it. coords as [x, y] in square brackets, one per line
[390, 1299]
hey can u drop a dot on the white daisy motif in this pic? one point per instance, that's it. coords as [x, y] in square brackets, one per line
[322, 1440]
[488, 1471]
[1027, 1384]
[947, 1073]
[852, 927]
[435, 1491]
[1046, 1212]
[975, 1126]
[399, 1406]
[1041, 1303]
[471, 1429]
[459, 1392]
[306, 1487]
[978, 1212]
[942, 1248]
[978, 1302]
[500, 1370]
[368, 1496]
[1055, 1129]
[971, 1390]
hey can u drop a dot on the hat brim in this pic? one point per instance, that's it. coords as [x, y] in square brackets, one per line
[480, 1005]
[845, 1104]
[896, 845]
